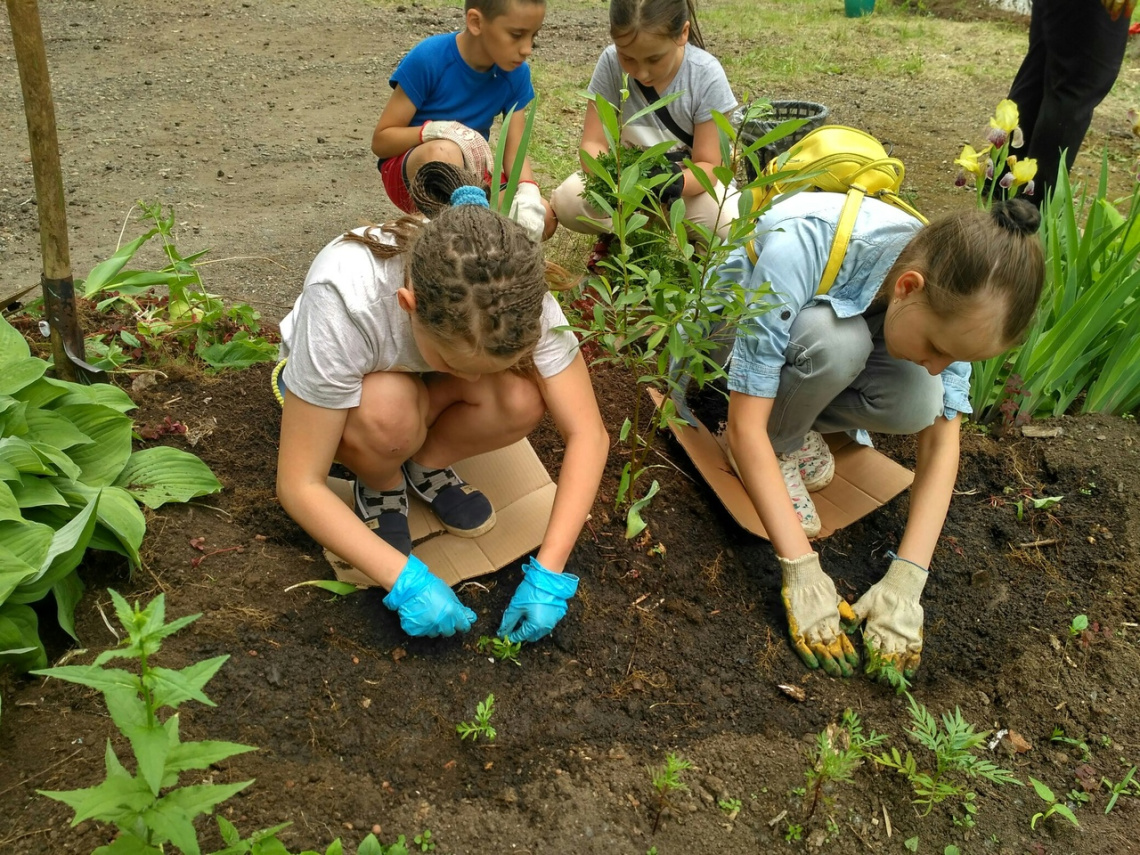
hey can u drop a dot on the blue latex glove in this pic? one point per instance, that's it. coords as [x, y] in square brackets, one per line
[538, 603]
[427, 607]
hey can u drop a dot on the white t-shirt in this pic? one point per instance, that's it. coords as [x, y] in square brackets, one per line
[347, 324]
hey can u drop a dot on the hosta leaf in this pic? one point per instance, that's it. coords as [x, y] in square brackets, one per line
[9, 503]
[68, 591]
[20, 644]
[52, 428]
[20, 373]
[102, 460]
[34, 491]
[16, 452]
[155, 476]
[103, 394]
[13, 347]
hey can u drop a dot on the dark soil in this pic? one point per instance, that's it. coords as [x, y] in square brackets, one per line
[681, 652]
[681, 649]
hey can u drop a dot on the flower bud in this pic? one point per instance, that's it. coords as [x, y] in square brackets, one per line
[960, 181]
[1006, 181]
[996, 136]
[1018, 138]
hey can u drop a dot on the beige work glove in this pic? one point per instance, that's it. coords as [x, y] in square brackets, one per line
[1116, 7]
[894, 616]
[528, 211]
[477, 155]
[814, 614]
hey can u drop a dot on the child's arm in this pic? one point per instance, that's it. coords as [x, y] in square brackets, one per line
[570, 400]
[935, 474]
[309, 439]
[593, 135]
[393, 135]
[705, 155]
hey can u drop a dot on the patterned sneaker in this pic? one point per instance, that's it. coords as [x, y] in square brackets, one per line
[801, 500]
[386, 513]
[817, 464]
[463, 510]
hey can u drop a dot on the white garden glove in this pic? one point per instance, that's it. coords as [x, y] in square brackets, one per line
[894, 616]
[528, 211]
[814, 614]
[477, 155]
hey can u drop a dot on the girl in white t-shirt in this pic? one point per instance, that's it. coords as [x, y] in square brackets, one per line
[659, 45]
[415, 345]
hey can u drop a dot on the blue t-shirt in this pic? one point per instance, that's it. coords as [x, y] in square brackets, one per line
[443, 87]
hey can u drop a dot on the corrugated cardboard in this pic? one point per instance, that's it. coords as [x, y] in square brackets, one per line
[864, 478]
[522, 495]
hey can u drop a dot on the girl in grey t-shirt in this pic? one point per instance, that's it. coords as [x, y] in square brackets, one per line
[416, 345]
[661, 49]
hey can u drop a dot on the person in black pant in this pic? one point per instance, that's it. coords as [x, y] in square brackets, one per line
[1075, 51]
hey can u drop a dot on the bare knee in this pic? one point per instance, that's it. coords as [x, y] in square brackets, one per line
[441, 150]
[521, 403]
[390, 421]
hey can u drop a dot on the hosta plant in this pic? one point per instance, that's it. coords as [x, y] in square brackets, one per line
[69, 482]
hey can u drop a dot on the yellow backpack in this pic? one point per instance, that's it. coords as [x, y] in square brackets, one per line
[837, 159]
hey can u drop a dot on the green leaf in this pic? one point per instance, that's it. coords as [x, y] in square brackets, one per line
[107, 801]
[13, 347]
[102, 460]
[20, 373]
[68, 592]
[20, 644]
[128, 844]
[237, 352]
[102, 679]
[202, 755]
[341, 589]
[1063, 809]
[1043, 792]
[33, 491]
[66, 551]
[52, 428]
[634, 524]
[17, 453]
[173, 688]
[162, 474]
[9, 505]
[103, 275]
[102, 394]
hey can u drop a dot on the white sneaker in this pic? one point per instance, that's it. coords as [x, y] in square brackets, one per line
[801, 501]
[816, 462]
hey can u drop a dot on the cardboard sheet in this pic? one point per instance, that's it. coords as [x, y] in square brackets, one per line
[522, 495]
[864, 479]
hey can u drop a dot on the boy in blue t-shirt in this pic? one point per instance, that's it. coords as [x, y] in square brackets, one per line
[447, 92]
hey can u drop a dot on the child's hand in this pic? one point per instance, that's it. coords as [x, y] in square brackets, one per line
[477, 155]
[671, 184]
[528, 211]
[538, 603]
[427, 607]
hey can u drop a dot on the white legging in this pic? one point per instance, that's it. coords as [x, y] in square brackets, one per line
[577, 215]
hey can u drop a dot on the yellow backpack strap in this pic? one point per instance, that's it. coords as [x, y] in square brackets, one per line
[842, 237]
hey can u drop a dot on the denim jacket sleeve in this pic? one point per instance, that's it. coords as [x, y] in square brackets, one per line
[782, 288]
[956, 389]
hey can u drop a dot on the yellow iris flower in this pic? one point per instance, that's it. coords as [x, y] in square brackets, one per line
[973, 161]
[1023, 170]
[1005, 116]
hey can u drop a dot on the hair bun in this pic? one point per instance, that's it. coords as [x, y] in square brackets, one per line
[1017, 215]
[434, 183]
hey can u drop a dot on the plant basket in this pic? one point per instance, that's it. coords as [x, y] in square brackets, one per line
[782, 111]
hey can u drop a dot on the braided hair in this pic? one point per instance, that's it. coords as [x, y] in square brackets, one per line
[479, 280]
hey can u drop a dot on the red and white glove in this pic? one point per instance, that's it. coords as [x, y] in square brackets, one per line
[477, 155]
[528, 211]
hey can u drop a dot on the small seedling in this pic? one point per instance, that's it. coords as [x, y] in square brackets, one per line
[731, 807]
[911, 844]
[481, 726]
[1079, 624]
[1054, 806]
[423, 840]
[971, 811]
[500, 649]
[1028, 502]
[838, 752]
[953, 744]
[666, 781]
[884, 670]
[1125, 787]
[1080, 797]
[1059, 736]
[794, 832]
